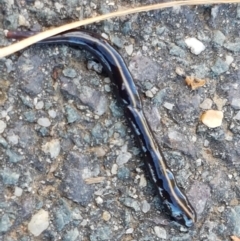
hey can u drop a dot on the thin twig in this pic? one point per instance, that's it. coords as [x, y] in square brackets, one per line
[48, 33]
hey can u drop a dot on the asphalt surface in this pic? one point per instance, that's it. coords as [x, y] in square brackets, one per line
[68, 158]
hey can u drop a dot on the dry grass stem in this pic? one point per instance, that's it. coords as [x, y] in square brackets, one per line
[5, 51]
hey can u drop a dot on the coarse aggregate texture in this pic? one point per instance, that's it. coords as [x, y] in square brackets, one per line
[61, 124]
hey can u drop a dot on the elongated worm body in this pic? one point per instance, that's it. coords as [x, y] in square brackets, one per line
[175, 202]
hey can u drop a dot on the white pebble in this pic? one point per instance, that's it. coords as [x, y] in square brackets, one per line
[114, 169]
[144, 48]
[145, 206]
[198, 162]
[129, 49]
[179, 71]
[129, 231]
[123, 158]
[39, 222]
[229, 59]
[194, 138]
[195, 45]
[154, 90]
[149, 94]
[221, 209]
[22, 21]
[58, 7]
[39, 4]
[99, 200]
[168, 105]
[143, 181]
[53, 147]
[52, 113]
[39, 105]
[229, 136]
[18, 192]
[206, 143]
[104, 36]
[44, 122]
[4, 113]
[160, 232]
[84, 223]
[2, 126]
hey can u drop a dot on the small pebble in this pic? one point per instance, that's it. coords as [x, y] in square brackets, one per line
[129, 49]
[39, 222]
[149, 94]
[2, 126]
[84, 223]
[179, 71]
[237, 116]
[154, 90]
[143, 181]
[219, 67]
[13, 139]
[221, 209]
[39, 105]
[107, 88]
[22, 21]
[114, 169]
[229, 59]
[52, 147]
[206, 143]
[5, 223]
[107, 80]
[14, 157]
[195, 45]
[9, 177]
[218, 37]
[104, 36]
[106, 216]
[168, 105]
[39, 4]
[160, 232]
[18, 192]
[3, 142]
[99, 200]
[219, 102]
[100, 152]
[68, 72]
[45, 122]
[123, 158]
[145, 206]
[92, 65]
[212, 118]
[144, 48]
[206, 104]
[235, 103]
[129, 231]
[131, 203]
[71, 235]
[198, 162]
[52, 113]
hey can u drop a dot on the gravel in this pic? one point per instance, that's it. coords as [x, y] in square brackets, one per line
[39, 222]
[62, 125]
